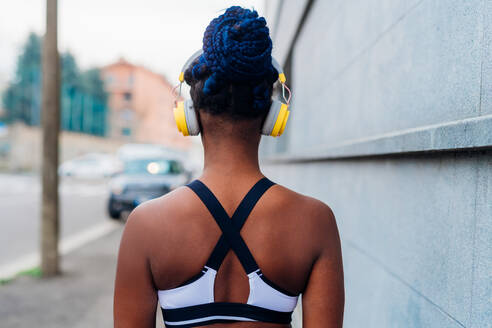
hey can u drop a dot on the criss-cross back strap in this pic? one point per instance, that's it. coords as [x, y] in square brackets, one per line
[238, 219]
[231, 237]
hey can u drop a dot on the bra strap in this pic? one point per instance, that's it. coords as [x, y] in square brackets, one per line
[238, 219]
[230, 230]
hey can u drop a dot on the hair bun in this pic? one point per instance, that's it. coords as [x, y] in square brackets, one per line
[236, 48]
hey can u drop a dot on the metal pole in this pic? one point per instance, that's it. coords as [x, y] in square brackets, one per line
[51, 126]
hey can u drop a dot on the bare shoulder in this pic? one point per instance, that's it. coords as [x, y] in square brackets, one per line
[314, 209]
[159, 216]
[314, 215]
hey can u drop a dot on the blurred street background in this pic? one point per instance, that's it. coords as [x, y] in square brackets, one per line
[391, 126]
[118, 144]
[83, 207]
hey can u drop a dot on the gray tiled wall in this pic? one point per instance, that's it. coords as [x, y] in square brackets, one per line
[416, 228]
[416, 235]
[355, 75]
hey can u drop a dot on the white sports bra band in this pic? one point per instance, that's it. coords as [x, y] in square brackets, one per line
[192, 303]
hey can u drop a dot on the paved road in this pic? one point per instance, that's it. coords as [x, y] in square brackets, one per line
[81, 297]
[82, 206]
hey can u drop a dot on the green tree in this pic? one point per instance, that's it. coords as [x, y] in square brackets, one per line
[70, 73]
[93, 84]
[83, 99]
[23, 97]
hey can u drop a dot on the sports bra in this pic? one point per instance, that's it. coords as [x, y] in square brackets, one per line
[192, 303]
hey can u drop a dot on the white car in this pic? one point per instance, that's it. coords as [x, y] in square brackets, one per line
[92, 165]
[136, 150]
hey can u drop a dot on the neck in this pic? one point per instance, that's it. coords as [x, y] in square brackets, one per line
[229, 158]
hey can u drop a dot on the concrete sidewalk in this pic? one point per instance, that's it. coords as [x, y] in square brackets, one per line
[81, 297]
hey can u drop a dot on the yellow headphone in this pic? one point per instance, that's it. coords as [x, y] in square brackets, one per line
[275, 121]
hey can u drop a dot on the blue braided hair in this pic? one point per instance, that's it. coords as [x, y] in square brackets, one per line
[235, 73]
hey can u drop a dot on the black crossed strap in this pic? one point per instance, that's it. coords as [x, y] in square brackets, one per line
[231, 227]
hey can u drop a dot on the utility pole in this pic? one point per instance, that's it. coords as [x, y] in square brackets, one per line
[51, 127]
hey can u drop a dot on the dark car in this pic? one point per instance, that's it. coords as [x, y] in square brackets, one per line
[143, 179]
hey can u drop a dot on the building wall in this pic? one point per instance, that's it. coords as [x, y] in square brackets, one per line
[141, 103]
[25, 147]
[154, 104]
[391, 126]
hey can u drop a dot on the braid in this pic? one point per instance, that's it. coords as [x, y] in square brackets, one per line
[235, 69]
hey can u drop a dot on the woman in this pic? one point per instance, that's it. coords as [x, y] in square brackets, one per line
[232, 248]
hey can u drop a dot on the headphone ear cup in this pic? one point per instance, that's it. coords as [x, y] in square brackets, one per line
[276, 119]
[191, 119]
[179, 117]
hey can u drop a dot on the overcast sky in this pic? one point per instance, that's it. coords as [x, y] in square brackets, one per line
[158, 34]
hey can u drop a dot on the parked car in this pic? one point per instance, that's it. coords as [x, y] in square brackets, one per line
[92, 165]
[143, 179]
[3, 130]
[4, 141]
[142, 150]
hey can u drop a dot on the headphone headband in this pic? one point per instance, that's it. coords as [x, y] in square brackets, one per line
[198, 53]
[273, 125]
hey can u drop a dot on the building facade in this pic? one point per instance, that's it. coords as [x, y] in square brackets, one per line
[140, 103]
[391, 126]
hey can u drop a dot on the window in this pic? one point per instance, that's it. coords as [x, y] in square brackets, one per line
[109, 79]
[126, 131]
[126, 114]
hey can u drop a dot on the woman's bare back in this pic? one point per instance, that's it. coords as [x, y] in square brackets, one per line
[293, 238]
